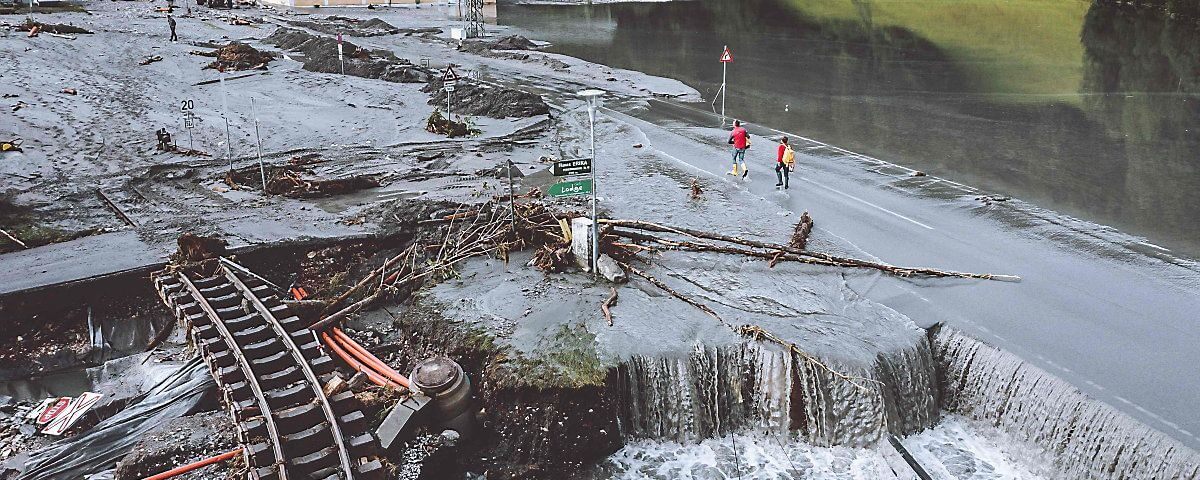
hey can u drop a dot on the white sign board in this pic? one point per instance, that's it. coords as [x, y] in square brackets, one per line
[72, 413]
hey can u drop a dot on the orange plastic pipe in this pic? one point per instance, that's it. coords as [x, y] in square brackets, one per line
[193, 466]
[367, 358]
[353, 361]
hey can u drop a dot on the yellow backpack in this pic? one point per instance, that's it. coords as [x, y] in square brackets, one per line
[789, 156]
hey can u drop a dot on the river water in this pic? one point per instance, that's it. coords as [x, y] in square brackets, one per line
[1084, 108]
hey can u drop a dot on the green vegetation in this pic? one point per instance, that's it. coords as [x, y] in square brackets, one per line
[567, 360]
[21, 222]
[1024, 49]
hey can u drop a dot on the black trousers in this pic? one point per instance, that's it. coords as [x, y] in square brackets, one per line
[174, 37]
[781, 172]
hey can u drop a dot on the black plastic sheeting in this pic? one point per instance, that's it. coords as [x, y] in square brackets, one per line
[99, 448]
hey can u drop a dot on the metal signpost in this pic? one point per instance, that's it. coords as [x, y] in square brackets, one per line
[189, 122]
[258, 138]
[340, 61]
[225, 113]
[593, 97]
[726, 59]
[449, 81]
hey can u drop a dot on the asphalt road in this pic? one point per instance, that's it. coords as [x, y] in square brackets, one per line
[1111, 314]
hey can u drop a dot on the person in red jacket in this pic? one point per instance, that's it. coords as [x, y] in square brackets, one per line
[782, 160]
[740, 139]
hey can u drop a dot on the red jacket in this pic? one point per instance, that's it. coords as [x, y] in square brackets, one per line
[739, 137]
[782, 148]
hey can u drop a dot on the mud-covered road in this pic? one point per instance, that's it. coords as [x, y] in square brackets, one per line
[1111, 314]
[1103, 310]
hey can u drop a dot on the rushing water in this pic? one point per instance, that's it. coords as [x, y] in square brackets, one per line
[955, 449]
[1086, 108]
[683, 418]
[1086, 437]
[750, 387]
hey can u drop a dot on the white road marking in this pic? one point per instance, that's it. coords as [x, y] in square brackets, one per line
[1151, 245]
[877, 207]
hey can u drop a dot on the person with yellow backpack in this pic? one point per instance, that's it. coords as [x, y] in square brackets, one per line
[785, 163]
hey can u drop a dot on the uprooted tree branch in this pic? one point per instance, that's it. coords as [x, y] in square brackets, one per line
[773, 250]
[499, 227]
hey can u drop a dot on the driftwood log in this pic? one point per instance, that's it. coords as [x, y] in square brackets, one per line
[808, 257]
[606, 307]
[803, 230]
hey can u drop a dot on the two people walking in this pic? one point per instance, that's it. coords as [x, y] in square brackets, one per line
[785, 159]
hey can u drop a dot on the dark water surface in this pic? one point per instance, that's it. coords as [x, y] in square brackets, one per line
[1086, 108]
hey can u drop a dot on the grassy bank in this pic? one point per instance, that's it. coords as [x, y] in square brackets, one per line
[1022, 50]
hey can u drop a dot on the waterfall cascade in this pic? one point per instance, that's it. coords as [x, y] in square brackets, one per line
[715, 391]
[1088, 438]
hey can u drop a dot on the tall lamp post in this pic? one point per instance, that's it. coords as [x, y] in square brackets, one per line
[593, 98]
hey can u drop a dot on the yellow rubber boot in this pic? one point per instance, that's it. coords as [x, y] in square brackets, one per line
[735, 170]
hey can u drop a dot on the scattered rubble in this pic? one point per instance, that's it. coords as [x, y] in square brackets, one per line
[514, 42]
[448, 127]
[56, 28]
[179, 442]
[475, 99]
[321, 55]
[297, 181]
[354, 27]
[150, 59]
[16, 8]
[236, 56]
[194, 248]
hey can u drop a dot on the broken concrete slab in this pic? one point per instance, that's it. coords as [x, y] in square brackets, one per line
[399, 422]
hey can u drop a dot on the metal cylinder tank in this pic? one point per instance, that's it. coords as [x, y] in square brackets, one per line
[444, 381]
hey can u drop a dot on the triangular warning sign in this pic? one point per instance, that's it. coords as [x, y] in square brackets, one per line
[449, 75]
[727, 56]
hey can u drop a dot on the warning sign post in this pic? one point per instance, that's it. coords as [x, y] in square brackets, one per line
[726, 59]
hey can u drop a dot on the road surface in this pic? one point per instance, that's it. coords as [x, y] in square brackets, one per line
[1110, 313]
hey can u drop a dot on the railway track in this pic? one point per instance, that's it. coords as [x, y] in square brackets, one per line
[270, 369]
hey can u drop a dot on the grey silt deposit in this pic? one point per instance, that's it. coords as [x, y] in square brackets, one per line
[429, 291]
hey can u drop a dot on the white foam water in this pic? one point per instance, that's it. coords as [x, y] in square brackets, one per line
[758, 457]
[1087, 438]
[752, 386]
[956, 448]
[797, 420]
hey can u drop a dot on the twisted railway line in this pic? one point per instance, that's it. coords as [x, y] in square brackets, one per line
[270, 369]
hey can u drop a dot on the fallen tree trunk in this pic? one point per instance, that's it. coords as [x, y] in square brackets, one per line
[685, 246]
[837, 261]
[803, 230]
